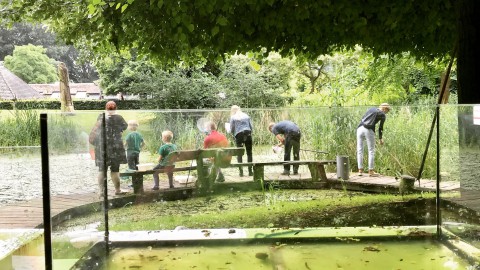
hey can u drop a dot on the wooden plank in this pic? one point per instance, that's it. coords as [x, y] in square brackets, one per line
[182, 156]
[147, 172]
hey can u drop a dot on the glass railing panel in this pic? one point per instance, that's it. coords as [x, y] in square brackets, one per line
[73, 189]
[460, 162]
[264, 205]
[21, 239]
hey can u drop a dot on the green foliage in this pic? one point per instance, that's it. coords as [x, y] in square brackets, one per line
[31, 64]
[23, 33]
[189, 87]
[357, 77]
[245, 86]
[403, 77]
[174, 30]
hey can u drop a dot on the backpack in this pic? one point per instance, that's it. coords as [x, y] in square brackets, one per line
[94, 133]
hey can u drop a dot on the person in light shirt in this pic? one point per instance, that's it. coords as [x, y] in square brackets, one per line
[366, 132]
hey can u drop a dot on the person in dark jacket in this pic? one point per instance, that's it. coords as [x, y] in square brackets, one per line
[288, 133]
[241, 128]
[366, 131]
[114, 127]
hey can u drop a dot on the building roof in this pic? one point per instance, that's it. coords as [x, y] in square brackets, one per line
[12, 87]
[48, 89]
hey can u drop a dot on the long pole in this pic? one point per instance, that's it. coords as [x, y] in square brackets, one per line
[315, 151]
[105, 185]
[47, 221]
[437, 202]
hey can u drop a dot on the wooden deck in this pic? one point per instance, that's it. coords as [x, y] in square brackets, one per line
[30, 214]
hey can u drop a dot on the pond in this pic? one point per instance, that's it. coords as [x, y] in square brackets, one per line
[324, 248]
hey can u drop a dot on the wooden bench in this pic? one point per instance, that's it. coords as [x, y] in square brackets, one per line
[222, 158]
[316, 167]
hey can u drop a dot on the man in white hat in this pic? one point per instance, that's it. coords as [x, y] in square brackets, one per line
[366, 131]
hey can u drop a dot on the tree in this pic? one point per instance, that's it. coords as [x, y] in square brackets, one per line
[313, 71]
[32, 65]
[79, 69]
[173, 30]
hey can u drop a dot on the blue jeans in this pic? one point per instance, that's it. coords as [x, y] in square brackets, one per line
[368, 135]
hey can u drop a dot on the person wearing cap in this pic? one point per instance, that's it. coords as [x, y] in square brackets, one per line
[366, 132]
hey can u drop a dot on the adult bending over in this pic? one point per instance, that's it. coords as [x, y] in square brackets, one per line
[288, 133]
[366, 131]
[241, 128]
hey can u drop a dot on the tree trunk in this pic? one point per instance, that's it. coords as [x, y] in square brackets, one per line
[312, 82]
[468, 52]
[65, 97]
[468, 93]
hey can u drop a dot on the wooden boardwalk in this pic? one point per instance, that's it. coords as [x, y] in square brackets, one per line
[30, 214]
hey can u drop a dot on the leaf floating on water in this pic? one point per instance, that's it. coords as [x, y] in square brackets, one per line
[370, 248]
[308, 267]
[419, 233]
[233, 253]
[134, 267]
[261, 255]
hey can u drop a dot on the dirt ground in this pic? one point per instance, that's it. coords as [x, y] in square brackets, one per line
[22, 176]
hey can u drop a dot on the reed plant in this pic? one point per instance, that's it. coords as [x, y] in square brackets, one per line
[21, 128]
[64, 135]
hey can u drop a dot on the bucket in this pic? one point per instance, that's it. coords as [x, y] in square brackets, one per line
[343, 168]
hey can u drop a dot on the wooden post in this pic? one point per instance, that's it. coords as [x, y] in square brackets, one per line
[321, 172]
[313, 171]
[137, 183]
[258, 173]
[200, 174]
[406, 184]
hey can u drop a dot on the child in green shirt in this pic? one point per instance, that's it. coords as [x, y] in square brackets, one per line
[163, 152]
[133, 143]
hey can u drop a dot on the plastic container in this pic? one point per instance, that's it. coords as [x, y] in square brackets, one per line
[343, 167]
[145, 167]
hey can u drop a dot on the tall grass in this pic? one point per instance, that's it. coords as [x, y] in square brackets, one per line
[330, 129]
[64, 135]
[333, 129]
[22, 128]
